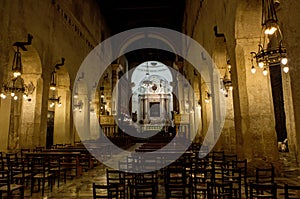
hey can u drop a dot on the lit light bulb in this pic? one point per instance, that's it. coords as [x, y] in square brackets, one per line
[59, 104]
[230, 88]
[76, 96]
[286, 69]
[284, 61]
[52, 105]
[3, 96]
[253, 70]
[206, 100]
[265, 72]
[25, 96]
[261, 64]
[17, 74]
[12, 94]
[15, 97]
[270, 30]
[53, 88]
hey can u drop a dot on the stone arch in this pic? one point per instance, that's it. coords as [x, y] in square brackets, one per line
[160, 73]
[62, 132]
[22, 124]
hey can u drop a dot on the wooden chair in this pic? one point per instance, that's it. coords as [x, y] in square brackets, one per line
[116, 179]
[243, 166]
[7, 187]
[102, 191]
[20, 171]
[259, 190]
[41, 172]
[291, 192]
[233, 176]
[200, 178]
[265, 175]
[57, 169]
[177, 183]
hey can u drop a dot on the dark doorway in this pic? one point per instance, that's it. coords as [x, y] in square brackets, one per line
[50, 129]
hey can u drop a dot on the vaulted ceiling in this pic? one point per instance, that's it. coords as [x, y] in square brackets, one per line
[122, 15]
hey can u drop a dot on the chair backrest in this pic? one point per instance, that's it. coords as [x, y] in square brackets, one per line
[5, 179]
[218, 156]
[291, 192]
[144, 191]
[230, 157]
[265, 175]
[1, 161]
[219, 190]
[101, 191]
[145, 178]
[24, 151]
[115, 177]
[176, 176]
[39, 165]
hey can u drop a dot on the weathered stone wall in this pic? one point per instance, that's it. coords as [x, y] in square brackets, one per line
[60, 28]
[239, 21]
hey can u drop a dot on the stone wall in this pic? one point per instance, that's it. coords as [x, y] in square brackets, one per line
[62, 28]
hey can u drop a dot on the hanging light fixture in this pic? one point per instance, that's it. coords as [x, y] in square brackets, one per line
[227, 83]
[53, 81]
[53, 84]
[15, 86]
[17, 64]
[271, 50]
[207, 97]
[78, 106]
[147, 82]
[54, 100]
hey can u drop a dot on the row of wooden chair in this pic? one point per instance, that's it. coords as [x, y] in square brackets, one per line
[211, 177]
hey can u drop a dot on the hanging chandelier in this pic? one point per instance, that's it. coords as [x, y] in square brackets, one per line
[226, 85]
[147, 82]
[271, 51]
[15, 85]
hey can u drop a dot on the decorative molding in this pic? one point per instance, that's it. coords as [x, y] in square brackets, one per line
[75, 25]
[107, 120]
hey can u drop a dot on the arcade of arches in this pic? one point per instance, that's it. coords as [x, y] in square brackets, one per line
[228, 30]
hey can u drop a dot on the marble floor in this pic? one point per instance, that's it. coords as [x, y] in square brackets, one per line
[81, 187]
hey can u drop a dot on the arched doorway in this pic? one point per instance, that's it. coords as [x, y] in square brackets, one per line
[152, 99]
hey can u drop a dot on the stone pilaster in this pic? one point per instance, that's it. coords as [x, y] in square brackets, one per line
[254, 117]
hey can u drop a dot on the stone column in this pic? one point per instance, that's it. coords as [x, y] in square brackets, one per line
[289, 15]
[114, 99]
[30, 111]
[253, 110]
[62, 118]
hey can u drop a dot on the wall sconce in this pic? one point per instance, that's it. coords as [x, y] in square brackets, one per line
[53, 80]
[76, 86]
[53, 85]
[207, 97]
[16, 85]
[274, 54]
[78, 106]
